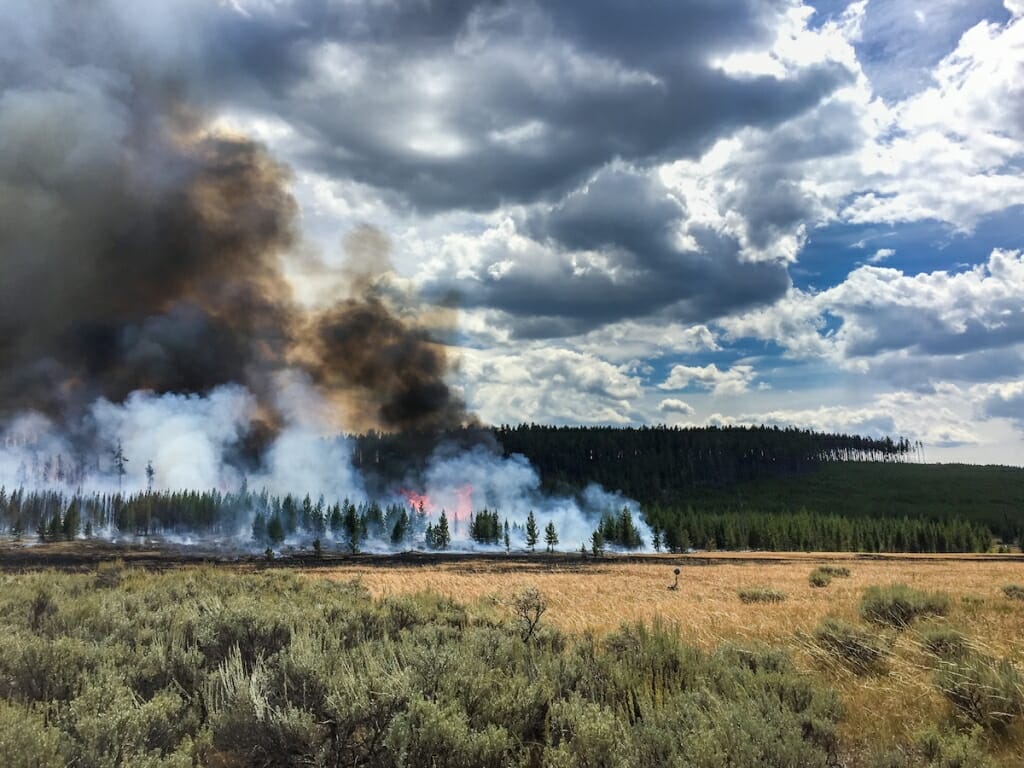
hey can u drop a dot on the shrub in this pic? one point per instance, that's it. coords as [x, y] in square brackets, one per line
[26, 741]
[1014, 591]
[944, 642]
[838, 571]
[952, 750]
[858, 649]
[819, 578]
[897, 605]
[935, 749]
[761, 595]
[984, 691]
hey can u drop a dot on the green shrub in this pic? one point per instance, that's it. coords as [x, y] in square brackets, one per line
[935, 749]
[214, 667]
[1014, 591]
[984, 691]
[897, 605]
[819, 578]
[761, 595]
[26, 741]
[856, 648]
[952, 750]
[944, 642]
[837, 571]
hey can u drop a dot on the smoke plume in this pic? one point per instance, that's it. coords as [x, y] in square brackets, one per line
[151, 260]
[146, 305]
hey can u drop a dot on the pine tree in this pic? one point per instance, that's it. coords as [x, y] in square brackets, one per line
[442, 536]
[656, 540]
[275, 530]
[550, 536]
[150, 474]
[508, 539]
[597, 543]
[532, 535]
[119, 463]
[401, 528]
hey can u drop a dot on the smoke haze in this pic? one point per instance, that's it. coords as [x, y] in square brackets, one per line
[145, 301]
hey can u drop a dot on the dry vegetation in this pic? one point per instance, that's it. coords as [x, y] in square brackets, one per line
[707, 610]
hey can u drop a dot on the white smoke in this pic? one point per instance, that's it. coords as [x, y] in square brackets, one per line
[190, 443]
[511, 486]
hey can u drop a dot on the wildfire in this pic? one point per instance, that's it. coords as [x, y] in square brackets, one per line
[457, 503]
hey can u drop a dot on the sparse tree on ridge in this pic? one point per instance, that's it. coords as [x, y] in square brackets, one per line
[120, 463]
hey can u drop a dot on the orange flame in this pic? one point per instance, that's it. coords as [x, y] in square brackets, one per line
[459, 500]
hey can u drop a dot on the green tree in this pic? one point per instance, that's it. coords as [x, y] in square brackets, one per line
[401, 527]
[441, 532]
[275, 530]
[550, 536]
[532, 534]
[597, 543]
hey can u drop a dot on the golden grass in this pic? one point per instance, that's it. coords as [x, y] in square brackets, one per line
[600, 596]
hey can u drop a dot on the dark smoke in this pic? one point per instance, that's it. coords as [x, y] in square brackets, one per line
[143, 251]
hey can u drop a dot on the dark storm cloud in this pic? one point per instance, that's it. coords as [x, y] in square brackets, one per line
[458, 104]
[1007, 403]
[142, 248]
[610, 251]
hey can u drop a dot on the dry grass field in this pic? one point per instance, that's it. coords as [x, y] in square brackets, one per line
[600, 595]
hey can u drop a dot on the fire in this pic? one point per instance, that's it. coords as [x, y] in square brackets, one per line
[457, 503]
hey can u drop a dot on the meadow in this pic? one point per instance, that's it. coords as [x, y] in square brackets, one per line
[706, 610]
[552, 660]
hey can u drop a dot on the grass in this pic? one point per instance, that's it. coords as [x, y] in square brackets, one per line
[880, 709]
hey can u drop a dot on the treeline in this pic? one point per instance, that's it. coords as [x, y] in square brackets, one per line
[655, 464]
[677, 531]
[649, 464]
[268, 521]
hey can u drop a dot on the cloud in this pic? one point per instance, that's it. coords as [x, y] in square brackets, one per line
[550, 385]
[941, 419]
[610, 251]
[673, 405]
[882, 254]
[1005, 401]
[937, 325]
[732, 381]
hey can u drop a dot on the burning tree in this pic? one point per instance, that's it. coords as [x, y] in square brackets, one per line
[120, 463]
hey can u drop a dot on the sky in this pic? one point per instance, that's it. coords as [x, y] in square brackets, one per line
[678, 211]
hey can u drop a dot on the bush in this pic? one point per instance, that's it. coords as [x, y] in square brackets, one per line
[1014, 591]
[837, 571]
[819, 578]
[984, 691]
[898, 605]
[935, 749]
[209, 667]
[26, 741]
[761, 595]
[859, 650]
[945, 642]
